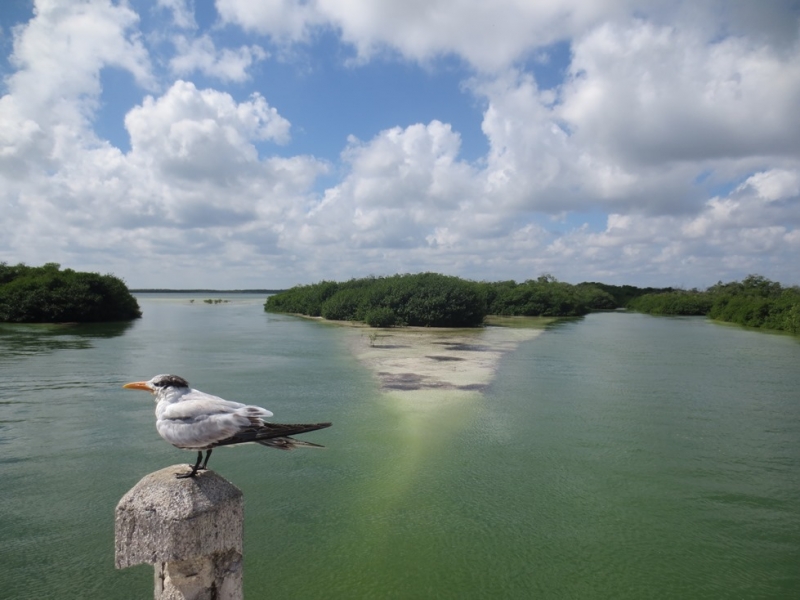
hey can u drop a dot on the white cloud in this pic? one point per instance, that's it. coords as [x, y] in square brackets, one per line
[193, 187]
[737, 233]
[489, 35]
[59, 54]
[202, 134]
[182, 12]
[646, 112]
[649, 94]
[193, 165]
[284, 20]
[677, 131]
[200, 54]
[400, 185]
[54, 91]
[538, 161]
[777, 184]
[492, 36]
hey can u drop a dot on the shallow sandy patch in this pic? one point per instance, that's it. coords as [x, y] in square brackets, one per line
[416, 359]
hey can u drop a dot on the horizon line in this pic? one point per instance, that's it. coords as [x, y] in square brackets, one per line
[204, 290]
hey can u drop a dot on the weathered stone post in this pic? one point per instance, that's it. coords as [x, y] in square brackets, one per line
[189, 529]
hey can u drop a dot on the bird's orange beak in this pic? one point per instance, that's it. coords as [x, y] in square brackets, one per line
[138, 385]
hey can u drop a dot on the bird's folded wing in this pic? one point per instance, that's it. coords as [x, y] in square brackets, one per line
[198, 408]
[201, 430]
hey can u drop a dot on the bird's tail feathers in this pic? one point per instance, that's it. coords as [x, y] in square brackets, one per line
[287, 443]
[275, 435]
[287, 429]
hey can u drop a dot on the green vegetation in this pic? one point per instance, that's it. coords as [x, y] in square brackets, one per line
[433, 300]
[49, 295]
[426, 299]
[543, 297]
[623, 294]
[259, 291]
[754, 302]
[675, 302]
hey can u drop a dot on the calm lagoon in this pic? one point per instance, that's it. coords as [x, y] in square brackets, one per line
[616, 456]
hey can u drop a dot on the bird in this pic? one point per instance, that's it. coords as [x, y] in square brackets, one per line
[193, 420]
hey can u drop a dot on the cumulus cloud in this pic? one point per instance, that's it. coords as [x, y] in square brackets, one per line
[487, 35]
[752, 229]
[285, 20]
[493, 36]
[201, 134]
[195, 165]
[645, 112]
[61, 51]
[193, 185]
[538, 161]
[54, 91]
[654, 95]
[201, 55]
[668, 155]
[399, 187]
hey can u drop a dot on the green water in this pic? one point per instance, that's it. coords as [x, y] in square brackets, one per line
[619, 456]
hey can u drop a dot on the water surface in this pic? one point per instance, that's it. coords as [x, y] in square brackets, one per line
[619, 456]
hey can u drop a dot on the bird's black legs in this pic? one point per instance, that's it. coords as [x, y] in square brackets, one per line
[195, 468]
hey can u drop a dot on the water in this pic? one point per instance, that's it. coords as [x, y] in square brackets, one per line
[619, 456]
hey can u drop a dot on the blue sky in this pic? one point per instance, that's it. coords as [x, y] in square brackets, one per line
[237, 144]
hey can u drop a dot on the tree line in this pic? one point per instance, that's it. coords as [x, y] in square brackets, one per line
[434, 300]
[48, 294]
[754, 302]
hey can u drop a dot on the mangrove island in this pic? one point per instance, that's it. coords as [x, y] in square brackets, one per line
[48, 294]
[434, 300]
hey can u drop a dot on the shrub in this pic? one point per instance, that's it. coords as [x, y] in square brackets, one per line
[545, 297]
[425, 299]
[344, 305]
[673, 303]
[754, 302]
[48, 295]
[434, 300]
[380, 317]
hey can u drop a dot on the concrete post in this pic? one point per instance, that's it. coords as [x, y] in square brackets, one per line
[189, 529]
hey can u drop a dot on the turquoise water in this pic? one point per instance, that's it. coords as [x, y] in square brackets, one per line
[618, 456]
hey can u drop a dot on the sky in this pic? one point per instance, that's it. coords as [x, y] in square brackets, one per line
[237, 144]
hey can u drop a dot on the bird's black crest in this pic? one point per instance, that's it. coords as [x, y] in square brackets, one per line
[165, 381]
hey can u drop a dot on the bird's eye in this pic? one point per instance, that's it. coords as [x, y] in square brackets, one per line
[170, 381]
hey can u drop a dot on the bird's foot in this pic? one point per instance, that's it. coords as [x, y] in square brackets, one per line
[191, 473]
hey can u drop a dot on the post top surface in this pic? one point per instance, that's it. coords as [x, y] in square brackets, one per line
[163, 518]
[178, 498]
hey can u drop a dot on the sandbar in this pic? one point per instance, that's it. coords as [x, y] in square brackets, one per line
[409, 360]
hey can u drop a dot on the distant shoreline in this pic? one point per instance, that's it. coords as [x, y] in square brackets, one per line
[201, 291]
